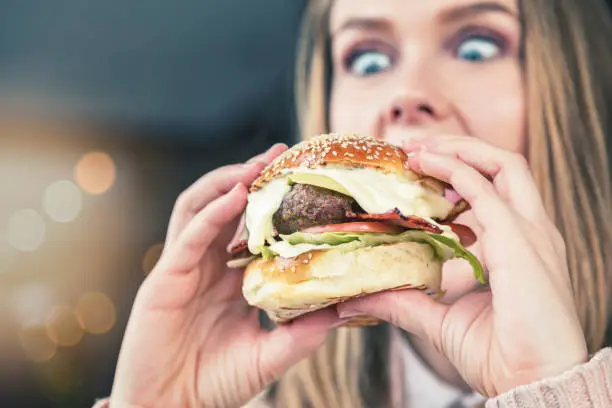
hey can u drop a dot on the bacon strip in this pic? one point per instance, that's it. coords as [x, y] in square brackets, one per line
[465, 234]
[396, 217]
[239, 247]
[460, 207]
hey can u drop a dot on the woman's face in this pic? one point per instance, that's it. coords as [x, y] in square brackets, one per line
[409, 68]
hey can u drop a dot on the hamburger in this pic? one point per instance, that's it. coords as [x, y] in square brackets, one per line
[341, 216]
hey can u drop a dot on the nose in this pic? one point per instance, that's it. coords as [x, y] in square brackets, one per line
[415, 109]
[414, 114]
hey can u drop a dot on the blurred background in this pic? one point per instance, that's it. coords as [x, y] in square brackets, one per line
[108, 110]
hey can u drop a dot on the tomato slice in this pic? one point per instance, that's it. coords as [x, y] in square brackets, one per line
[378, 227]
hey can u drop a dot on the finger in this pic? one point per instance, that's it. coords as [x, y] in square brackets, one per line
[269, 154]
[286, 345]
[488, 207]
[521, 192]
[203, 229]
[215, 184]
[240, 234]
[514, 252]
[509, 171]
[511, 176]
[206, 189]
[412, 310]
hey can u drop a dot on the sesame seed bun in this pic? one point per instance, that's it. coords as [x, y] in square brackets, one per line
[345, 151]
[288, 288]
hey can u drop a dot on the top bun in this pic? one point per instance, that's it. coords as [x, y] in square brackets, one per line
[339, 150]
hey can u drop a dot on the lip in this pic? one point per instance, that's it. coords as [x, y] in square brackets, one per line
[451, 195]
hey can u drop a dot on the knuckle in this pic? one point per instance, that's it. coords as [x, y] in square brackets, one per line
[558, 241]
[182, 201]
[552, 238]
[518, 161]
[394, 311]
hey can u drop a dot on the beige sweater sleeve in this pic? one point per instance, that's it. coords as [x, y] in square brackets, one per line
[586, 386]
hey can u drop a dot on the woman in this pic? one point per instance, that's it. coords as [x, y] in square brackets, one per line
[473, 89]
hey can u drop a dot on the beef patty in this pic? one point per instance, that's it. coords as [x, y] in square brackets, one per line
[309, 206]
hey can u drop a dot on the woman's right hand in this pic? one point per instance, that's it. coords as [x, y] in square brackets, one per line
[191, 339]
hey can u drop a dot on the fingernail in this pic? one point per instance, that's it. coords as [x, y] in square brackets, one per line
[284, 145]
[254, 158]
[258, 158]
[340, 322]
[409, 146]
[236, 188]
[347, 314]
[253, 164]
[274, 146]
[413, 163]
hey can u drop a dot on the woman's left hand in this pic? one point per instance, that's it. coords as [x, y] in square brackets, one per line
[523, 327]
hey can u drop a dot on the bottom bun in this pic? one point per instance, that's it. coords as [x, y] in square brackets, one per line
[288, 288]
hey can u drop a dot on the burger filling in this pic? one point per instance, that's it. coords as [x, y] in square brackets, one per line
[307, 206]
[346, 209]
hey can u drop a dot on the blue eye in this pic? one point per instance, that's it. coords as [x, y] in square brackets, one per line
[478, 49]
[370, 62]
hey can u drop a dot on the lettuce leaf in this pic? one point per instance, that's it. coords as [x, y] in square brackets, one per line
[443, 251]
[444, 247]
[462, 252]
[287, 250]
[267, 253]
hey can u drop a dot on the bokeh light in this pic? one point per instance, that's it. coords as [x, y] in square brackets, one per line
[36, 344]
[151, 257]
[95, 313]
[30, 303]
[26, 230]
[63, 201]
[62, 327]
[95, 173]
[7, 254]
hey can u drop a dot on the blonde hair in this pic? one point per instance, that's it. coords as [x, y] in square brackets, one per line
[566, 65]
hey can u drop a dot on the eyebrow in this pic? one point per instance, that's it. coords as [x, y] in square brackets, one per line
[371, 24]
[464, 11]
[452, 14]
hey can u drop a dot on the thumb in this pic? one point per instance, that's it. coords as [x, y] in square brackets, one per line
[289, 343]
[411, 310]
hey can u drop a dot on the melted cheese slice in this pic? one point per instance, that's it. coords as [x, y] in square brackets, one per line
[261, 206]
[374, 191]
[286, 250]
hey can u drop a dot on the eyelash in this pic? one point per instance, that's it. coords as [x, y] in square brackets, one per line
[361, 48]
[452, 44]
[477, 32]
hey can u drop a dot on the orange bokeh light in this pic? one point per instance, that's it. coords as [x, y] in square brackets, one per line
[36, 344]
[95, 173]
[95, 313]
[151, 257]
[62, 327]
